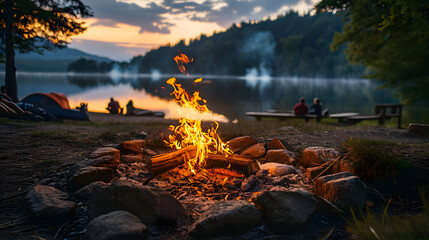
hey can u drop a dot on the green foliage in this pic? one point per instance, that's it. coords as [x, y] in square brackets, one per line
[391, 38]
[401, 227]
[89, 65]
[291, 45]
[34, 20]
[373, 159]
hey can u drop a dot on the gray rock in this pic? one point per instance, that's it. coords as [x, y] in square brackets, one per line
[239, 143]
[87, 175]
[419, 128]
[226, 218]
[256, 150]
[50, 203]
[103, 151]
[286, 208]
[116, 225]
[132, 147]
[86, 192]
[280, 156]
[151, 205]
[344, 190]
[104, 161]
[314, 156]
[278, 169]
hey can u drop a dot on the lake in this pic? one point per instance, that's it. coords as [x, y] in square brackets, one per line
[227, 97]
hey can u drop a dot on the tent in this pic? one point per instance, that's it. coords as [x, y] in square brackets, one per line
[56, 104]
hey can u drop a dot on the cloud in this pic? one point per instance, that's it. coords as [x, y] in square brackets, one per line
[111, 12]
[152, 15]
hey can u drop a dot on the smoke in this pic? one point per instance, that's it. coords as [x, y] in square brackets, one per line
[259, 47]
[155, 74]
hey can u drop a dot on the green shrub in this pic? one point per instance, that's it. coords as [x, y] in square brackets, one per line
[371, 159]
[393, 228]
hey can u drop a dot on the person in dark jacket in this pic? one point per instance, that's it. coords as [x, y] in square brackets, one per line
[316, 108]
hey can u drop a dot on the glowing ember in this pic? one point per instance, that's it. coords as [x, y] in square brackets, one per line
[189, 132]
[182, 59]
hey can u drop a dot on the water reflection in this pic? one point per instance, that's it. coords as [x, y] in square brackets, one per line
[228, 96]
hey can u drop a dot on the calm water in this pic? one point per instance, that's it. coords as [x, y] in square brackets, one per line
[227, 96]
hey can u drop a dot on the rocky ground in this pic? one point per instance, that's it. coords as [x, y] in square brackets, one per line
[37, 153]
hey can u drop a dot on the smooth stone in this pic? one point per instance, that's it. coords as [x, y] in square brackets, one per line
[115, 226]
[226, 218]
[50, 203]
[149, 204]
[286, 208]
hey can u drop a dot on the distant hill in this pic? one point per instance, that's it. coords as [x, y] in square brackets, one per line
[51, 61]
[290, 45]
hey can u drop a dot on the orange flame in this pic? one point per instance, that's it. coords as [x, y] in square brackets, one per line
[182, 59]
[189, 132]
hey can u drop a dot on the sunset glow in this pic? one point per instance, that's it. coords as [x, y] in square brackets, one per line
[135, 27]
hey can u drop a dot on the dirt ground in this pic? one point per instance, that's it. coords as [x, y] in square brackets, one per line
[30, 152]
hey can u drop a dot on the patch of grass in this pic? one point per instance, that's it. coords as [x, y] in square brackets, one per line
[63, 135]
[395, 227]
[372, 159]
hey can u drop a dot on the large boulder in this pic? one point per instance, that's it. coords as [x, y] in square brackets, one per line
[87, 175]
[151, 205]
[103, 151]
[116, 225]
[286, 208]
[226, 218]
[278, 169]
[239, 143]
[314, 156]
[280, 156]
[50, 203]
[256, 150]
[132, 147]
[344, 190]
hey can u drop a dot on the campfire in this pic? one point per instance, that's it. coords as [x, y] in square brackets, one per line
[199, 156]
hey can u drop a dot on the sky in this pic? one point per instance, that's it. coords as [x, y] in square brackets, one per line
[121, 29]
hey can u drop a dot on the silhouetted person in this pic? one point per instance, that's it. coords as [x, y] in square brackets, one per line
[113, 107]
[316, 108]
[131, 110]
[300, 108]
[3, 93]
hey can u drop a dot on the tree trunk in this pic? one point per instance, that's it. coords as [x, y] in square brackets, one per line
[10, 76]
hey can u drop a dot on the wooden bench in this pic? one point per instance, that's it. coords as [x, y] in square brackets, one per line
[272, 114]
[260, 115]
[381, 114]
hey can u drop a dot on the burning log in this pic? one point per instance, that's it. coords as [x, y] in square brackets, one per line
[167, 161]
[164, 162]
[234, 162]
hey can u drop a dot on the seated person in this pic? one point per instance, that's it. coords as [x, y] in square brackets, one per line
[131, 110]
[300, 108]
[316, 108]
[113, 107]
[3, 93]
